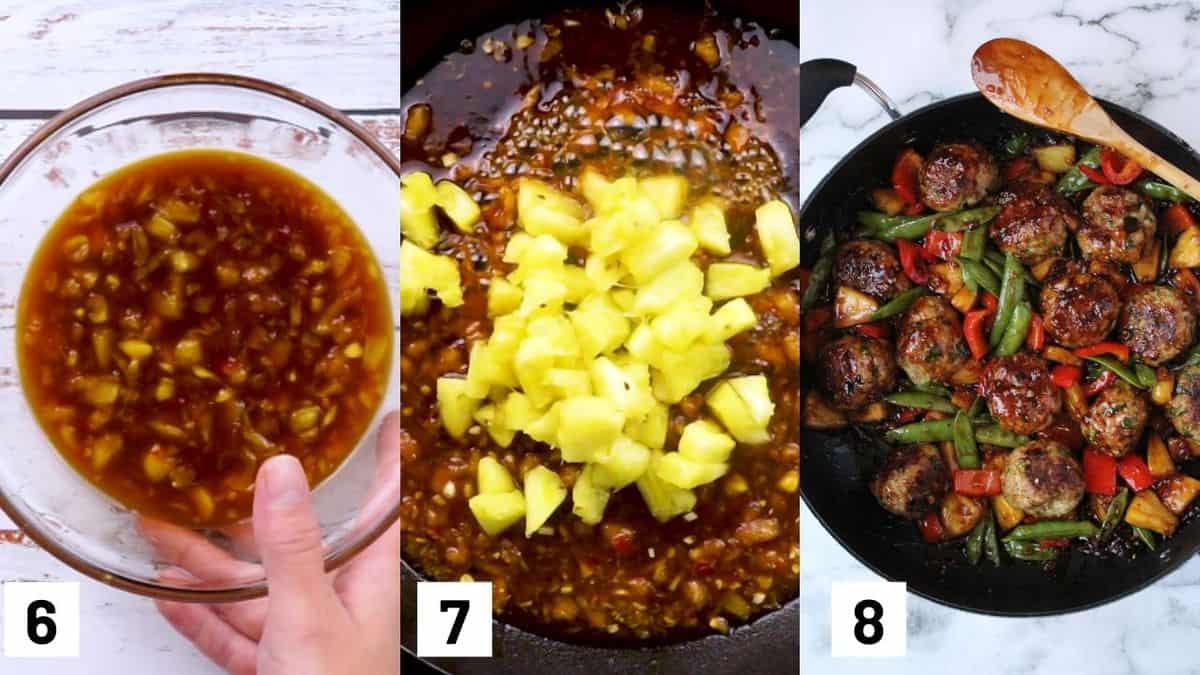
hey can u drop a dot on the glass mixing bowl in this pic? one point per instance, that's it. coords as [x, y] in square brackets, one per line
[39, 490]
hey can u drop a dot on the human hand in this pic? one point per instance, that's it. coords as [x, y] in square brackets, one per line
[312, 622]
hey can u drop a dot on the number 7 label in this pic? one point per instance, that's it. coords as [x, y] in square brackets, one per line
[454, 618]
[41, 619]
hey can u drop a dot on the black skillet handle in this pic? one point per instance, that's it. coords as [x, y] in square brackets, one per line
[818, 78]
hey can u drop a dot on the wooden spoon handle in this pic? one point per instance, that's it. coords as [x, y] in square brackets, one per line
[1156, 164]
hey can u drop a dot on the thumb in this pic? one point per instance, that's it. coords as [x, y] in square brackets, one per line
[289, 538]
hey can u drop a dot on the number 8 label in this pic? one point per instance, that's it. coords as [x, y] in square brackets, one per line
[454, 618]
[41, 619]
[869, 619]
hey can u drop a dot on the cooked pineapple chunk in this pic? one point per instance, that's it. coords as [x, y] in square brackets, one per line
[457, 205]
[504, 297]
[777, 236]
[541, 209]
[682, 280]
[682, 372]
[1147, 511]
[612, 233]
[606, 196]
[732, 280]
[492, 477]
[669, 244]
[487, 367]
[599, 325]
[736, 414]
[588, 501]
[418, 222]
[667, 193]
[754, 391]
[535, 357]
[682, 472]
[497, 512]
[639, 397]
[421, 270]
[651, 430]
[542, 293]
[730, 319]
[454, 405]
[611, 383]
[683, 323]
[488, 417]
[577, 283]
[703, 441]
[545, 427]
[604, 273]
[644, 346]
[852, 307]
[544, 491]
[708, 224]
[516, 412]
[587, 427]
[1187, 249]
[534, 255]
[664, 500]
[569, 382]
[626, 462]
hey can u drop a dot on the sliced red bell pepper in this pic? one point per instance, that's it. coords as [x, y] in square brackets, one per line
[1177, 218]
[942, 245]
[1093, 175]
[974, 331]
[1059, 542]
[914, 209]
[1099, 384]
[990, 302]
[1120, 351]
[912, 259]
[875, 330]
[977, 482]
[932, 530]
[905, 175]
[1035, 339]
[1118, 169]
[1099, 472]
[1135, 472]
[1064, 375]
[1017, 168]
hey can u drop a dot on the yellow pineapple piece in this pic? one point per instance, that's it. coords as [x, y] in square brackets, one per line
[626, 462]
[455, 406]
[667, 193]
[497, 512]
[492, 477]
[542, 210]
[418, 222]
[777, 236]
[682, 280]
[457, 205]
[682, 472]
[670, 243]
[588, 501]
[544, 492]
[664, 500]
[732, 280]
[731, 318]
[587, 427]
[703, 441]
[708, 224]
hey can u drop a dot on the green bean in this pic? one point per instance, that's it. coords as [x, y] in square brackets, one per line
[897, 304]
[975, 541]
[994, 434]
[1145, 375]
[955, 222]
[930, 431]
[1016, 145]
[1052, 529]
[1119, 369]
[920, 399]
[1018, 328]
[1161, 191]
[965, 449]
[976, 408]
[995, 260]
[1012, 288]
[822, 271]
[932, 388]
[1114, 514]
[976, 274]
[974, 242]
[990, 544]
[1164, 258]
[1074, 180]
[1192, 357]
[1029, 551]
[1146, 536]
[891, 228]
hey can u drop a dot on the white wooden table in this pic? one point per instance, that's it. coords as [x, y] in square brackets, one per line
[345, 52]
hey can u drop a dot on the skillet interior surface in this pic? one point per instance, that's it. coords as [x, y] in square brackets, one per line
[837, 467]
[768, 644]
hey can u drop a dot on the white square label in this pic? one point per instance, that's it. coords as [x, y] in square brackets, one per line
[869, 618]
[41, 619]
[454, 618]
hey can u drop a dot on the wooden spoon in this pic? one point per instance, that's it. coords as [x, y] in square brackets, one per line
[1029, 84]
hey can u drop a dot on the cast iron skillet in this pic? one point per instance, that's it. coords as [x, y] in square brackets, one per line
[767, 645]
[838, 466]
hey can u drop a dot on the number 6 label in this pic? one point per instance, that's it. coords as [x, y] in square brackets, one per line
[41, 619]
[454, 618]
[869, 619]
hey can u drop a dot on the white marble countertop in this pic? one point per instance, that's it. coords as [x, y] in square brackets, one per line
[345, 52]
[1143, 55]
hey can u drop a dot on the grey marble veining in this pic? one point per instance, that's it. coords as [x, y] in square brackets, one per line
[1144, 55]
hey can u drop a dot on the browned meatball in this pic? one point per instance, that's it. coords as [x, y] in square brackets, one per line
[1019, 392]
[1078, 308]
[1116, 419]
[1033, 222]
[956, 175]
[912, 481]
[871, 267]
[929, 341]
[1118, 224]
[1157, 323]
[1184, 407]
[857, 371]
[1043, 480]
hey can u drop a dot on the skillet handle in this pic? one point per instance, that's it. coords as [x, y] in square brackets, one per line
[820, 77]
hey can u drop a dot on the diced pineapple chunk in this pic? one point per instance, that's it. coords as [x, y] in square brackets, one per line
[1187, 249]
[606, 196]
[577, 283]
[735, 414]
[651, 430]
[777, 236]
[626, 462]
[421, 270]
[1147, 511]
[754, 391]
[516, 412]
[623, 298]
[599, 325]
[542, 253]
[682, 472]
[682, 280]
[457, 205]
[708, 224]
[545, 427]
[603, 272]
[679, 326]
[497, 512]
[569, 382]
[418, 222]
[535, 357]
[639, 397]
[587, 427]
[644, 346]
[542, 292]
[669, 244]
[611, 383]
[682, 372]
[493, 478]
[612, 233]
[488, 417]
[455, 406]
[732, 280]
[541, 209]
[487, 367]
[504, 297]
[664, 500]
[667, 193]
[730, 319]
[588, 501]
[852, 307]
[703, 441]
[544, 491]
